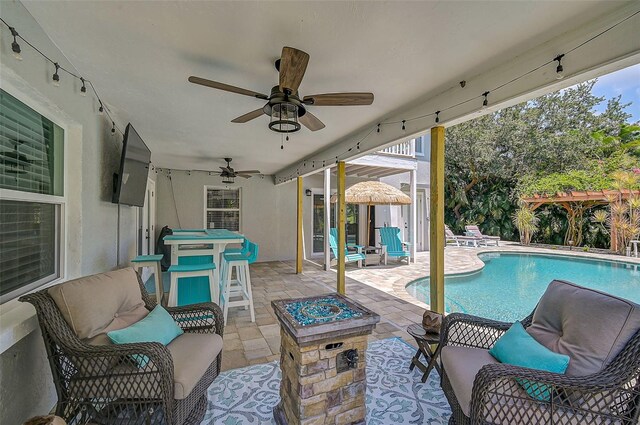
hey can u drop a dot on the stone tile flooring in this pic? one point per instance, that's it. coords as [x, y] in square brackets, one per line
[380, 288]
[247, 343]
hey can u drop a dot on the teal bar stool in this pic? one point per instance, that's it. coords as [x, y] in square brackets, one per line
[240, 287]
[179, 271]
[242, 249]
[152, 261]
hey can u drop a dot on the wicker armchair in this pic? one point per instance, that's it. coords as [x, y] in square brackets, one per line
[102, 383]
[481, 390]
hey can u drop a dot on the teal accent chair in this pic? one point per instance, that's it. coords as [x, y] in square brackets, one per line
[392, 244]
[352, 257]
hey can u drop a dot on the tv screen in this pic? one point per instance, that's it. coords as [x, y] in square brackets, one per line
[130, 184]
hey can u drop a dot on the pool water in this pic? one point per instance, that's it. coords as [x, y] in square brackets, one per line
[510, 285]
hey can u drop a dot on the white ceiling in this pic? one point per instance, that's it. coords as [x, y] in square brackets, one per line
[139, 55]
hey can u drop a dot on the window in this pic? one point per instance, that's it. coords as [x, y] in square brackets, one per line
[222, 208]
[419, 146]
[31, 198]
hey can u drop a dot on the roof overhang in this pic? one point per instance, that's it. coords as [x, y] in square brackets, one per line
[511, 81]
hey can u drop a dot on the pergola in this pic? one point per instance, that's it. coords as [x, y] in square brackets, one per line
[575, 203]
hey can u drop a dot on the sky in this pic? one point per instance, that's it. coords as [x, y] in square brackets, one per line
[625, 82]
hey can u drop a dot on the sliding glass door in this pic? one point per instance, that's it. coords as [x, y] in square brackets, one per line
[353, 221]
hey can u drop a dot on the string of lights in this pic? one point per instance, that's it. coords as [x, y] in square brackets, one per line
[55, 78]
[436, 115]
[321, 163]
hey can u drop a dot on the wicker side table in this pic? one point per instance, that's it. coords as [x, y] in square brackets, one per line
[424, 340]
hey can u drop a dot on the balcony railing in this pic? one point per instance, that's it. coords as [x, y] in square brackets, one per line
[406, 148]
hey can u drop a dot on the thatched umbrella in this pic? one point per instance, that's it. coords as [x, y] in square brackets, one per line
[373, 193]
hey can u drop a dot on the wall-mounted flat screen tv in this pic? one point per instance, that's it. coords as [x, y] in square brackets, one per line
[130, 184]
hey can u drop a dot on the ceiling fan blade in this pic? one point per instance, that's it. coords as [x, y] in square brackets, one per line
[311, 122]
[248, 172]
[246, 176]
[226, 87]
[226, 169]
[293, 64]
[248, 116]
[339, 99]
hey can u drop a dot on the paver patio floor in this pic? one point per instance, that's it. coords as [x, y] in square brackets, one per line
[380, 288]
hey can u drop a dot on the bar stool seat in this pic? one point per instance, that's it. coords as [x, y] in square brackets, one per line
[191, 270]
[152, 261]
[240, 287]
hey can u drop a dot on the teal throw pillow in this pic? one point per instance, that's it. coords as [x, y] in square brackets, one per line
[517, 347]
[157, 326]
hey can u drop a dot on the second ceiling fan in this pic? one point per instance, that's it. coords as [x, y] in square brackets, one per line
[286, 108]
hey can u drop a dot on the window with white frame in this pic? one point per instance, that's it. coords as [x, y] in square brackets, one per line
[419, 146]
[31, 198]
[222, 208]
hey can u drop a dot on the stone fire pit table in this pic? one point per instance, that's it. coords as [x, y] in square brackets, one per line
[323, 359]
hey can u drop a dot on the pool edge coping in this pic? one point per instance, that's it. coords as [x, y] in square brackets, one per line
[400, 289]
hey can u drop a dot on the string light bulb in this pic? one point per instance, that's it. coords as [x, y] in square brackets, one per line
[559, 68]
[485, 102]
[56, 76]
[15, 47]
[101, 108]
[437, 117]
[378, 128]
[113, 127]
[83, 89]
[403, 126]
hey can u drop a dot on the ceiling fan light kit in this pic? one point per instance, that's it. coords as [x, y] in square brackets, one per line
[285, 108]
[284, 118]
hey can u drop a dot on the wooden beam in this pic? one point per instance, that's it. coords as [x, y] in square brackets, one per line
[299, 242]
[436, 225]
[392, 172]
[353, 169]
[327, 218]
[342, 219]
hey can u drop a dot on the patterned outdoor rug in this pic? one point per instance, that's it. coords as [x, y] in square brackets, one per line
[394, 394]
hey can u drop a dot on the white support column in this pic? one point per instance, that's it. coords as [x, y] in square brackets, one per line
[327, 218]
[413, 226]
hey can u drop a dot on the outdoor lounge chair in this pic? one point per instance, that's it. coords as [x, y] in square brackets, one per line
[473, 230]
[137, 383]
[357, 256]
[599, 332]
[392, 244]
[457, 240]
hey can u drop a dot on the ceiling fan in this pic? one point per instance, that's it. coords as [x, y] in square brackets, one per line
[228, 173]
[285, 106]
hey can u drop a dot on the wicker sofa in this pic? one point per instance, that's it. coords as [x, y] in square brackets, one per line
[103, 383]
[601, 335]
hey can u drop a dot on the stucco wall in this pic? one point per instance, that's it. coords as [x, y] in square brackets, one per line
[90, 242]
[268, 212]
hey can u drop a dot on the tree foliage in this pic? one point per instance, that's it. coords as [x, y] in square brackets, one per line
[494, 158]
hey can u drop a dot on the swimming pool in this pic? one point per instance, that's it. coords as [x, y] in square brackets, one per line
[510, 284]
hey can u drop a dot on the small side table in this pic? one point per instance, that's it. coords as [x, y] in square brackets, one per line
[373, 256]
[424, 340]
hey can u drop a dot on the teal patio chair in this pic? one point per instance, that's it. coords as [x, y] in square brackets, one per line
[357, 256]
[392, 244]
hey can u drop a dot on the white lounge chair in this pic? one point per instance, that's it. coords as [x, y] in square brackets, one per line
[458, 240]
[473, 230]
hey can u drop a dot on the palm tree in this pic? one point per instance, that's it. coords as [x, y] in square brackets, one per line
[526, 221]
